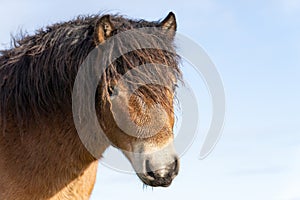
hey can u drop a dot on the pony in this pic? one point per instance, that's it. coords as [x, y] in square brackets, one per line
[41, 154]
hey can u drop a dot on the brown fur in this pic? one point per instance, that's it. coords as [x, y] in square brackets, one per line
[41, 155]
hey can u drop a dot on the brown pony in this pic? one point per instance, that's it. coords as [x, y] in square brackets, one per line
[41, 154]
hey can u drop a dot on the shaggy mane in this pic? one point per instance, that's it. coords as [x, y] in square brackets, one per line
[38, 73]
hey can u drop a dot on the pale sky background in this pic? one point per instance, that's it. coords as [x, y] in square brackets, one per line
[256, 48]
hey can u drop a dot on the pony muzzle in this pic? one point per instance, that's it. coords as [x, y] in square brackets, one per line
[157, 169]
[161, 177]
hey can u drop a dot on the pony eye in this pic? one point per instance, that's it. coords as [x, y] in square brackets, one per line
[112, 91]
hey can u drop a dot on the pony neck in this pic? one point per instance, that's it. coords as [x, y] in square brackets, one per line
[46, 160]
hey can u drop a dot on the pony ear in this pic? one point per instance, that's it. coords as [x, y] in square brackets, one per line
[169, 23]
[103, 29]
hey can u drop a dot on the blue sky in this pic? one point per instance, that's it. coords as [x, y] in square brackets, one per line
[256, 48]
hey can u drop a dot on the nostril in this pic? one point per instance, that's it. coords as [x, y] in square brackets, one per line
[148, 169]
[176, 165]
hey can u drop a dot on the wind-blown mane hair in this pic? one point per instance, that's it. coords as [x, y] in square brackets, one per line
[38, 73]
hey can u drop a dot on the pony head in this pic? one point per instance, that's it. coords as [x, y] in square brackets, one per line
[135, 97]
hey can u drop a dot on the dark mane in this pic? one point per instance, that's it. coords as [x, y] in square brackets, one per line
[38, 73]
